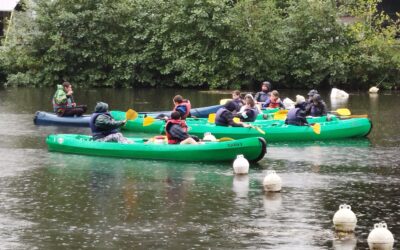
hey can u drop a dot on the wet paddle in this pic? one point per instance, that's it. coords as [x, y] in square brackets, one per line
[258, 129]
[211, 118]
[148, 120]
[131, 114]
[316, 128]
[342, 111]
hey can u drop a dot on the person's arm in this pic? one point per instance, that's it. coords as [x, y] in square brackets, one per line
[105, 122]
[182, 110]
[229, 118]
[177, 132]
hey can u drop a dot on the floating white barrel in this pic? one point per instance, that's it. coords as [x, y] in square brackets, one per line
[380, 238]
[344, 219]
[272, 182]
[209, 137]
[338, 94]
[373, 90]
[241, 165]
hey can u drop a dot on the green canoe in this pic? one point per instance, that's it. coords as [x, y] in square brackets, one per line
[275, 130]
[253, 149]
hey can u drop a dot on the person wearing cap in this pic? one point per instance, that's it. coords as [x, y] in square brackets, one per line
[104, 127]
[63, 102]
[274, 101]
[224, 116]
[237, 100]
[317, 107]
[249, 111]
[264, 94]
[176, 131]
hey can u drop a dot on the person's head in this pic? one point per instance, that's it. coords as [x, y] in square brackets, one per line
[178, 99]
[67, 86]
[250, 100]
[274, 95]
[231, 106]
[300, 99]
[101, 107]
[266, 86]
[316, 99]
[175, 115]
[312, 93]
[235, 94]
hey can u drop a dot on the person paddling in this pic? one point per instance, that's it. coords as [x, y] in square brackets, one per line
[297, 115]
[176, 130]
[224, 116]
[182, 106]
[317, 107]
[63, 102]
[104, 127]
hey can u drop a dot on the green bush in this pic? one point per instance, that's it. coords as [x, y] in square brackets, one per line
[201, 43]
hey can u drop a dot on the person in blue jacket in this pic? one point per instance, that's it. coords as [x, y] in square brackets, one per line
[104, 127]
[297, 115]
[250, 111]
[317, 107]
[224, 116]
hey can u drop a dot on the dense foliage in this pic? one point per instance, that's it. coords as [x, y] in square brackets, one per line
[201, 43]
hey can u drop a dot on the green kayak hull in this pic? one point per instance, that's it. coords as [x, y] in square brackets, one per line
[253, 149]
[275, 130]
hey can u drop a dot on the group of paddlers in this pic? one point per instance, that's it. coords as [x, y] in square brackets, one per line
[105, 128]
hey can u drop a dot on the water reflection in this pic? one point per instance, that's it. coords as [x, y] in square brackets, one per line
[345, 241]
[59, 201]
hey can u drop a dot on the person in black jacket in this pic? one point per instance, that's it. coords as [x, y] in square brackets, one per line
[224, 116]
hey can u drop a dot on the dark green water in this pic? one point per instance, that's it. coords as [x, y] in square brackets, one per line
[56, 201]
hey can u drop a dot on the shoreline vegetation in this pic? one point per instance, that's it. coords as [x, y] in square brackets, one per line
[205, 44]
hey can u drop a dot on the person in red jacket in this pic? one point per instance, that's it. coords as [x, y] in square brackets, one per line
[176, 130]
[182, 106]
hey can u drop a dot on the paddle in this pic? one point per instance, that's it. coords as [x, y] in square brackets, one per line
[342, 111]
[353, 116]
[258, 129]
[223, 101]
[316, 128]
[131, 114]
[225, 139]
[148, 120]
[211, 118]
[280, 114]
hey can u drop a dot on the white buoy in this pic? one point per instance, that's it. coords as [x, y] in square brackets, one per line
[338, 94]
[344, 219]
[380, 238]
[209, 137]
[373, 90]
[272, 182]
[241, 165]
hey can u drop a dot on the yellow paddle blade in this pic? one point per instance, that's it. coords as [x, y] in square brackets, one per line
[279, 116]
[343, 111]
[236, 119]
[131, 114]
[282, 111]
[223, 101]
[148, 120]
[225, 139]
[316, 128]
[211, 118]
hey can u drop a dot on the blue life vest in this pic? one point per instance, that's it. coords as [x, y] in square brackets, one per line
[251, 116]
[295, 118]
[220, 119]
[262, 96]
[99, 133]
[317, 110]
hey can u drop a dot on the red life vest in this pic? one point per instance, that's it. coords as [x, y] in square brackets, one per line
[170, 122]
[188, 106]
[274, 104]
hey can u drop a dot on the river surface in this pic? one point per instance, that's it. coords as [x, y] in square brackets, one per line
[58, 201]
